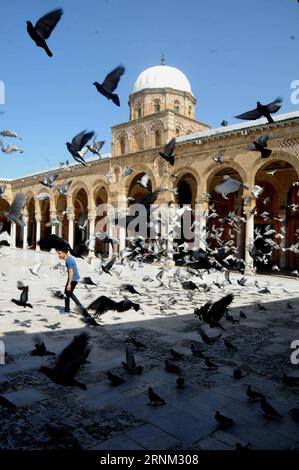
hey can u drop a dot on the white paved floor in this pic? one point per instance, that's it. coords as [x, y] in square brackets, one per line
[106, 417]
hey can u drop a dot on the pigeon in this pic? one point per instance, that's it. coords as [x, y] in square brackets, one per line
[96, 146]
[176, 355]
[180, 382]
[167, 153]
[229, 185]
[10, 148]
[87, 281]
[237, 374]
[130, 364]
[64, 188]
[269, 410]
[129, 288]
[23, 302]
[290, 380]
[69, 362]
[9, 133]
[43, 196]
[224, 421]
[196, 352]
[210, 364]
[230, 346]
[224, 123]
[242, 281]
[35, 270]
[252, 395]
[206, 339]
[137, 344]
[43, 29]
[77, 144]
[294, 412]
[115, 379]
[103, 304]
[262, 110]
[189, 285]
[261, 146]
[48, 180]
[154, 398]
[40, 349]
[242, 314]
[110, 84]
[128, 171]
[106, 268]
[217, 157]
[144, 180]
[58, 294]
[172, 367]
[15, 210]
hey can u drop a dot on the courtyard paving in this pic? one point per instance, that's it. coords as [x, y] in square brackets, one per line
[110, 418]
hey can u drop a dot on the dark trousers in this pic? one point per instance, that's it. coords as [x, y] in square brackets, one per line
[70, 295]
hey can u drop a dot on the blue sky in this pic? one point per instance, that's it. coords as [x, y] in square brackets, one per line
[233, 52]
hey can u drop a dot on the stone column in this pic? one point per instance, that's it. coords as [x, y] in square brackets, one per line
[13, 232]
[38, 220]
[25, 232]
[249, 237]
[91, 236]
[71, 218]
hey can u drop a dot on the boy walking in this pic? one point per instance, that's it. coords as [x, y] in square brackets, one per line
[72, 280]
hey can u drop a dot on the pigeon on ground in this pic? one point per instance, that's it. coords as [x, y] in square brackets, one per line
[224, 421]
[40, 349]
[253, 395]
[23, 302]
[269, 410]
[110, 84]
[130, 364]
[106, 268]
[114, 379]
[210, 364]
[230, 346]
[154, 398]
[176, 355]
[180, 382]
[69, 362]
[262, 110]
[43, 29]
[172, 367]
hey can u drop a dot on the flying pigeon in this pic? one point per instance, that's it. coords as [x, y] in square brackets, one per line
[229, 185]
[110, 84]
[77, 144]
[261, 146]
[43, 29]
[262, 110]
[167, 153]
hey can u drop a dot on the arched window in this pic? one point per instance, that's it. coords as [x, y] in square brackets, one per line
[122, 145]
[139, 111]
[157, 106]
[177, 131]
[190, 110]
[176, 107]
[157, 138]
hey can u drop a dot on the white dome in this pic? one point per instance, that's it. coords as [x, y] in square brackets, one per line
[162, 76]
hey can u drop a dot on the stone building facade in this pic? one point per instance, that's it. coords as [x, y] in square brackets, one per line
[162, 106]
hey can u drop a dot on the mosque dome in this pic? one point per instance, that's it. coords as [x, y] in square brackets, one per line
[162, 76]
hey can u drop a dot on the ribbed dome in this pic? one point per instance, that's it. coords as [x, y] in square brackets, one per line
[162, 76]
